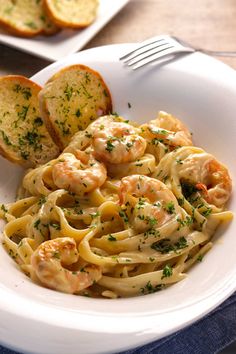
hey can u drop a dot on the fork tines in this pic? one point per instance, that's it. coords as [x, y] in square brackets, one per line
[150, 50]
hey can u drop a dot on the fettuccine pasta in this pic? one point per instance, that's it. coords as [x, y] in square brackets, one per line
[124, 210]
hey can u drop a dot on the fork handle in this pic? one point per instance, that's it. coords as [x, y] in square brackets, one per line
[218, 53]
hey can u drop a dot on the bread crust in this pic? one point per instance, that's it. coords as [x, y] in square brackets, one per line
[47, 121]
[61, 20]
[18, 32]
[24, 138]
[74, 86]
[13, 26]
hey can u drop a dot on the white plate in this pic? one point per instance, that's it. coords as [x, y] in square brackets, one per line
[67, 41]
[202, 92]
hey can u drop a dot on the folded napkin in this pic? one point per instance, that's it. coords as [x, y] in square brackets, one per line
[209, 335]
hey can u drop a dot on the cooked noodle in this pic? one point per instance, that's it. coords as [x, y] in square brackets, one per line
[125, 210]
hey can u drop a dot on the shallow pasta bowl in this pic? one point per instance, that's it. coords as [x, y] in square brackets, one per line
[201, 91]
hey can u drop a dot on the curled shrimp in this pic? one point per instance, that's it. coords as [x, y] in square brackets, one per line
[168, 130]
[208, 176]
[116, 141]
[151, 203]
[79, 174]
[49, 261]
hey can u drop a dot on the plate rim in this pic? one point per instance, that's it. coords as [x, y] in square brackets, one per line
[94, 29]
[208, 305]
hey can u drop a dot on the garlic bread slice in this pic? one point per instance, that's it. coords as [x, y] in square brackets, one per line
[25, 18]
[24, 138]
[72, 13]
[71, 100]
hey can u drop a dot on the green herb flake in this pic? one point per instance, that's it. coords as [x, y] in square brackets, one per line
[124, 216]
[207, 212]
[165, 246]
[56, 254]
[109, 146]
[180, 201]
[68, 92]
[55, 226]
[38, 121]
[24, 155]
[5, 138]
[167, 271]
[31, 25]
[36, 224]
[3, 208]
[179, 161]
[170, 207]
[42, 200]
[188, 189]
[150, 289]
[78, 113]
[111, 238]
[200, 258]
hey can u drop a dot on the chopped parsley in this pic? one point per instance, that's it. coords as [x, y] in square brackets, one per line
[111, 238]
[31, 25]
[188, 189]
[38, 122]
[179, 161]
[78, 113]
[56, 254]
[68, 92]
[181, 201]
[42, 200]
[124, 216]
[3, 208]
[25, 91]
[36, 224]
[165, 246]
[167, 271]
[109, 146]
[207, 212]
[170, 207]
[150, 289]
[5, 138]
[200, 258]
[55, 226]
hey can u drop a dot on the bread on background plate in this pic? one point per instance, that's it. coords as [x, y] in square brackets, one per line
[71, 100]
[25, 18]
[24, 138]
[72, 13]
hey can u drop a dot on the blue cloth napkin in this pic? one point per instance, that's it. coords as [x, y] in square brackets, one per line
[209, 335]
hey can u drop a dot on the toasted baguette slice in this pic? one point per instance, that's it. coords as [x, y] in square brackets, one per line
[24, 138]
[71, 100]
[72, 13]
[25, 18]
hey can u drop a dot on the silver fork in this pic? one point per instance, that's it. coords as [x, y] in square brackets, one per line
[159, 47]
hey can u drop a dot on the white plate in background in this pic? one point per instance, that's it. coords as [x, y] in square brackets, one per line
[201, 91]
[67, 41]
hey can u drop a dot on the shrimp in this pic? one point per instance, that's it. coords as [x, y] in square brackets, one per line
[79, 174]
[83, 139]
[168, 130]
[208, 176]
[116, 141]
[150, 201]
[49, 261]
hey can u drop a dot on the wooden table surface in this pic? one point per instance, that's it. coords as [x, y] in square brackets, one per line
[206, 23]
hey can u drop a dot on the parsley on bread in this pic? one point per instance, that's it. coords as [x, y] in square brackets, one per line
[25, 18]
[71, 100]
[24, 138]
